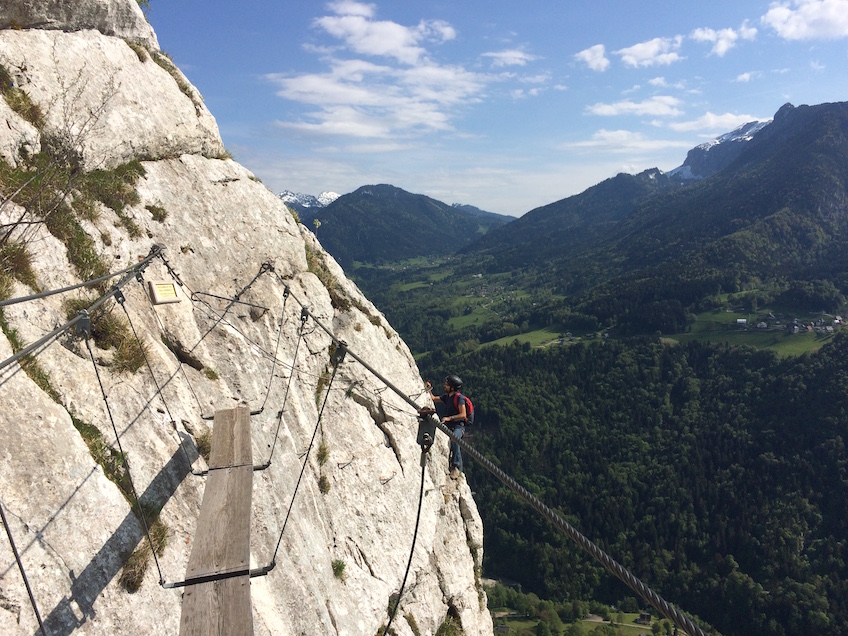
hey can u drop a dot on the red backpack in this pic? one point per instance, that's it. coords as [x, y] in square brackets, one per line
[469, 410]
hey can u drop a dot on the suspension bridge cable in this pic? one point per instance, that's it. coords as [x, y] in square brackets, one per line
[276, 349]
[338, 358]
[21, 568]
[664, 607]
[619, 571]
[85, 329]
[52, 292]
[121, 301]
[50, 337]
[303, 317]
[414, 538]
[265, 267]
[212, 313]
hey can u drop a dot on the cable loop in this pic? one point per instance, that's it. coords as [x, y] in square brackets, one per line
[125, 460]
[305, 460]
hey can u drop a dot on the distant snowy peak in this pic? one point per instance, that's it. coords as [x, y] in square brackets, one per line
[300, 201]
[744, 133]
[708, 158]
[326, 198]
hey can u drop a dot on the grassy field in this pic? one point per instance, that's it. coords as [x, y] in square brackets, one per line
[720, 326]
[626, 628]
[538, 338]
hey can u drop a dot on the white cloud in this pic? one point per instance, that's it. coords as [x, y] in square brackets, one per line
[407, 93]
[659, 51]
[744, 77]
[713, 122]
[541, 78]
[658, 106]
[594, 57]
[350, 7]
[808, 19]
[511, 57]
[624, 141]
[360, 99]
[354, 24]
[724, 39]
[660, 82]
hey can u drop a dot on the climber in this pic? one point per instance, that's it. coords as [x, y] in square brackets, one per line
[455, 418]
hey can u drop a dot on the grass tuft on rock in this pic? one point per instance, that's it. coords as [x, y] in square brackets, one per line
[339, 569]
[135, 567]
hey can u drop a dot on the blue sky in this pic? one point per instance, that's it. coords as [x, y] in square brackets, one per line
[502, 104]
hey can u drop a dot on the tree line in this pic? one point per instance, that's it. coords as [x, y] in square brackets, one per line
[717, 474]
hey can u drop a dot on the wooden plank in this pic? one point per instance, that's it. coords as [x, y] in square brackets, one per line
[222, 538]
[218, 608]
[231, 439]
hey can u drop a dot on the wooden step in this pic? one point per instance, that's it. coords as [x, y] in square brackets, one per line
[222, 538]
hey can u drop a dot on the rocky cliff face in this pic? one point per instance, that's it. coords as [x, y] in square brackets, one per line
[106, 97]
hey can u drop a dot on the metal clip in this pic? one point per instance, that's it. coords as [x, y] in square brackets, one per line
[426, 430]
[339, 354]
[83, 325]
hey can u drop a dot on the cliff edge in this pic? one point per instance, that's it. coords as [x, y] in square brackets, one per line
[106, 150]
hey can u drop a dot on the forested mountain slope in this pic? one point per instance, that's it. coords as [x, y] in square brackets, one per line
[717, 474]
[551, 230]
[380, 223]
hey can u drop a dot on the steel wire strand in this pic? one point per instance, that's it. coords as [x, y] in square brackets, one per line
[276, 349]
[50, 337]
[180, 368]
[619, 571]
[288, 387]
[159, 391]
[265, 267]
[21, 568]
[339, 357]
[53, 292]
[412, 551]
[213, 314]
[126, 463]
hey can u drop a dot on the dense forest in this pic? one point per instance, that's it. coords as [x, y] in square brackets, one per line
[717, 474]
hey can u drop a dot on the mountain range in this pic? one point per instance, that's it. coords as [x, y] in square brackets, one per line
[303, 203]
[417, 223]
[382, 223]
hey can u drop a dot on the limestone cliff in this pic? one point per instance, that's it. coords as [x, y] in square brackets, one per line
[97, 87]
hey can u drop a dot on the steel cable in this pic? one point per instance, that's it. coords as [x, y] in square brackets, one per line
[338, 359]
[414, 538]
[141, 515]
[53, 292]
[21, 568]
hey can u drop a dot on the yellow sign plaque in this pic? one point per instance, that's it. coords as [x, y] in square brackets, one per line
[162, 292]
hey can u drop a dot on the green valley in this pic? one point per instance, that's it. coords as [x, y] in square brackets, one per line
[664, 363]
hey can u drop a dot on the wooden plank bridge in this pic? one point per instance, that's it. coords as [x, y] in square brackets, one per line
[222, 539]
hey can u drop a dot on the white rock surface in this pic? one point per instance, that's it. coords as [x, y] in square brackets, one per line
[121, 19]
[72, 525]
[96, 91]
